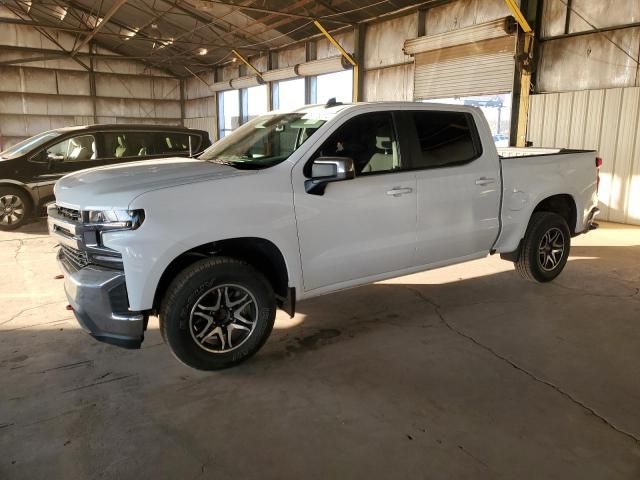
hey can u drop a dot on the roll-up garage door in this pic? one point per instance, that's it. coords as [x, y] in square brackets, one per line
[482, 63]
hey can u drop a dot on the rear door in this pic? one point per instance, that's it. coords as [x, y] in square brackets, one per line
[458, 186]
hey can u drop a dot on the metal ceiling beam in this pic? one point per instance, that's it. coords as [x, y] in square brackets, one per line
[210, 18]
[107, 16]
[16, 61]
[247, 63]
[267, 10]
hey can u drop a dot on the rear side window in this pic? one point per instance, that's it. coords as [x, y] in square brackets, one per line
[177, 143]
[444, 139]
[129, 144]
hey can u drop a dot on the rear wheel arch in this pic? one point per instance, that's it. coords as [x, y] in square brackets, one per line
[260, 253]
[562, 204]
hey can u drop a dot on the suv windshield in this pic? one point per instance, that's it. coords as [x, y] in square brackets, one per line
[264, 141]
[28, 145]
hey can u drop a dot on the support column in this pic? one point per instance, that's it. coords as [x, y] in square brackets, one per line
[358, 68]
[92, 82]
[522, 76]
[182, 101]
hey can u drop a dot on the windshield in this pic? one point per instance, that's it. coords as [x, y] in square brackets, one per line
[264, 141]
[28, 145]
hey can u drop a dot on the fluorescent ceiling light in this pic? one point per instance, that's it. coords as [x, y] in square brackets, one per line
[60, 12]
[165, 43]
[93, 21]
[128, 33]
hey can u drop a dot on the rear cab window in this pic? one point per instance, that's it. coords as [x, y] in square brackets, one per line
[442, 138]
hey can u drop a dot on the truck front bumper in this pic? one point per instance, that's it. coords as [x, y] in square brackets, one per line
[98, 297]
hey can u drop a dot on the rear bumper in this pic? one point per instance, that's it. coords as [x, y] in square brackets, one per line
[98, 297]
[590, 223]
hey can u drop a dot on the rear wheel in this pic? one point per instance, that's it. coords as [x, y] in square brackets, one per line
[15, 207]
[216, 313]
[545, 249]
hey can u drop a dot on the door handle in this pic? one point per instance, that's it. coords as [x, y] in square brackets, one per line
[485, 181]
[397, 191]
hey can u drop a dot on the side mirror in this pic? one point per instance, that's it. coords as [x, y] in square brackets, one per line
[325, 170]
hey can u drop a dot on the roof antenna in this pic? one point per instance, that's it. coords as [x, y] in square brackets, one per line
[332, 102]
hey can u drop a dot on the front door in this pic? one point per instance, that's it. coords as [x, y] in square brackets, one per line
[362, 227]
[69, 155]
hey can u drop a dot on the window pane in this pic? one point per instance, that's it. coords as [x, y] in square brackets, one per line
[229, 111]
[264, 141]
[257, 101]
[76, 149]
[174, 143]
[368, 139]
[128, 145]
[496, 109]
[28, 145]
[290, 94]
[338, 85]
[443, 138]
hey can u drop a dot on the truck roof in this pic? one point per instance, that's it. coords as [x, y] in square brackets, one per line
[333, 109]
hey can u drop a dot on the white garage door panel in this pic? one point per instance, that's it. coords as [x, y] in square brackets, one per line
[481, 68]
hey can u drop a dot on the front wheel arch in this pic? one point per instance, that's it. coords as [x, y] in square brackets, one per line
[260, 253]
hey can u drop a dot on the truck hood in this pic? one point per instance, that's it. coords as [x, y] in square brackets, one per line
[115, 186]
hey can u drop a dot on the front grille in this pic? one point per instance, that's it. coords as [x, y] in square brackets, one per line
[77, 258]
[69, 213]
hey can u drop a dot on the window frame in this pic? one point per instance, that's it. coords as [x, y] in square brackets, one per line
[102, 143]
[413, 141]
[396, 131]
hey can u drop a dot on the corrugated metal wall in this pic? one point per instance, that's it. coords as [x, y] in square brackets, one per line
[606, 120]
[388, 72]
[43, 95]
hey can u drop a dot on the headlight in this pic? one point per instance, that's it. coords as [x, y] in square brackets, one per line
[120, 219]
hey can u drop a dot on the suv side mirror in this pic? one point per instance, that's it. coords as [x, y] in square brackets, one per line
[325, 170]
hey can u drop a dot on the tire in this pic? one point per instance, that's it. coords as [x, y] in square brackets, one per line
[15, 208]
[545, 248]
[217, 313]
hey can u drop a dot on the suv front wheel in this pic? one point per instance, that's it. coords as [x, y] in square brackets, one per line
[217, 313]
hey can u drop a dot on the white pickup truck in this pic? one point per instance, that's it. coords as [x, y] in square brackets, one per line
[297, 204]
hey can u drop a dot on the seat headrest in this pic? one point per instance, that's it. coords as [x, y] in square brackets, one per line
[383, 143]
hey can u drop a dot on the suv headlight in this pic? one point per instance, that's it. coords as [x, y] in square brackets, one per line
[116, 219]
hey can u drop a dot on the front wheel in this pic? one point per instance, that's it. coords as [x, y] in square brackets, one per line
[545, 249]
[217, 313]
[15, 207]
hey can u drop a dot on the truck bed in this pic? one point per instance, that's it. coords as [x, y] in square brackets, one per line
[510, 152]
[546, 173]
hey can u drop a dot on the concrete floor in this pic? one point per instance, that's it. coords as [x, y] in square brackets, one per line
[466, 372]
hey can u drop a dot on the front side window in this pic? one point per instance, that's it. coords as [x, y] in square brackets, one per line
[369, 139]
[76, 149]
[264, 141]
[444, 138]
